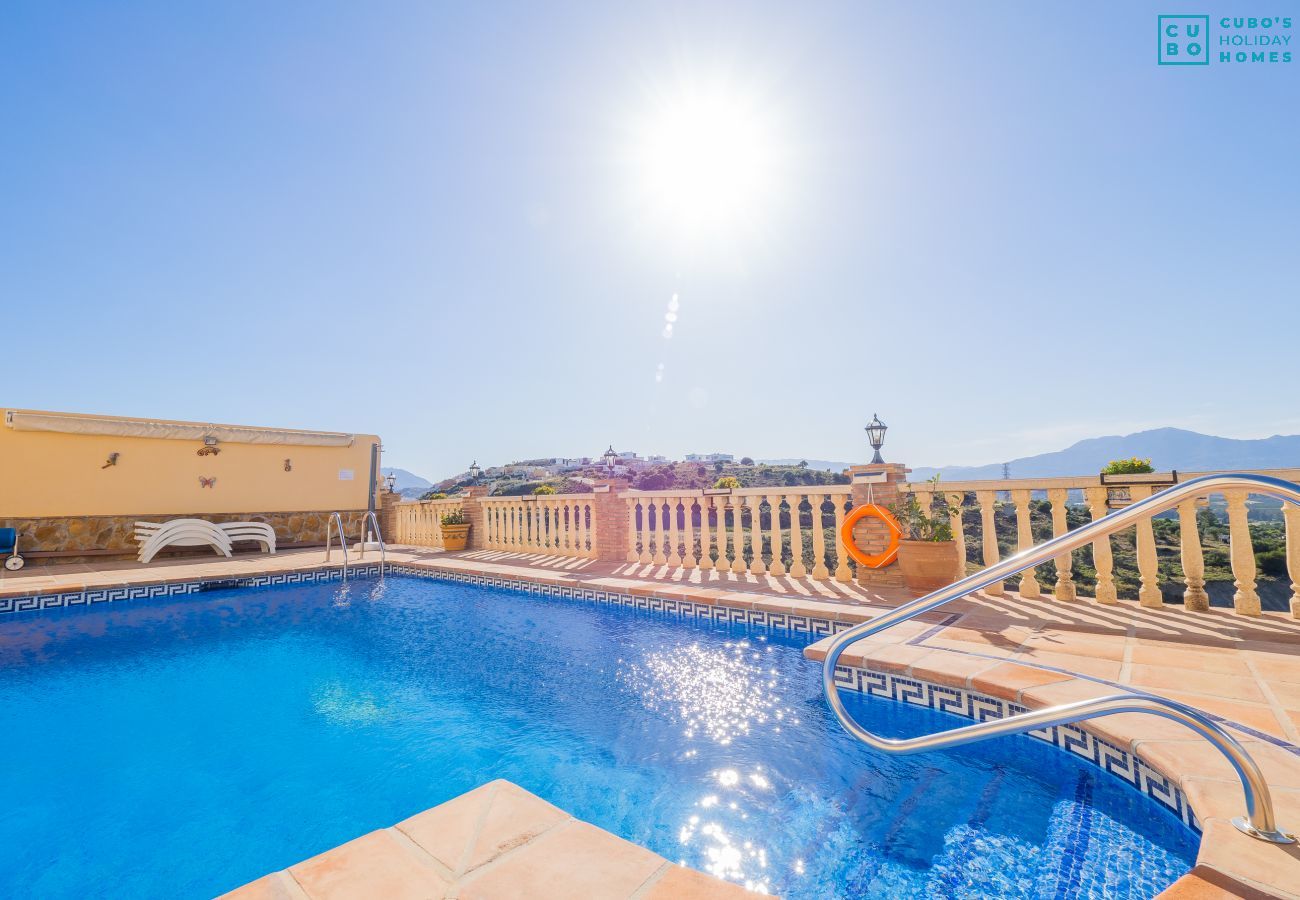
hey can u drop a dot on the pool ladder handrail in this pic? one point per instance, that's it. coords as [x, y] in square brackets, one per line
[1258, 821]
[336, 520]
[372, 519]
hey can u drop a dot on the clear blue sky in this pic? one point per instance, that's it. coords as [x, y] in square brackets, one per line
[420, 219]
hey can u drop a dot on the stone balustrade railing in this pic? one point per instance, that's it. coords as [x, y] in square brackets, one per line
[554, 524]
[420, 524]
[775, 530]
[988, 498]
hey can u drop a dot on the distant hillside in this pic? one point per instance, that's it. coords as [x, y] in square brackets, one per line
[1168, 448]
[824, 465]
[408, 484]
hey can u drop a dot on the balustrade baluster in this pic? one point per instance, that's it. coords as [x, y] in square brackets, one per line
[989, 535]
[737, 536]
[1291, 515]
[1103, 559]
[586, 530]
[1245, 601]
[756, 566]
[777, 567]
[1029, 588]
[706, 559]
[842, 571]
[646, 556]
[1148, 562]
[1065, 589]
[674, 538]
[688, 533]
[797, 567]
[660, 558]
[1193, 558]
[819, 571]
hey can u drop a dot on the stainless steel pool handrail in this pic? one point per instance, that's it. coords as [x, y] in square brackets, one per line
[337, 520]
[372, 519]
[1258, 821]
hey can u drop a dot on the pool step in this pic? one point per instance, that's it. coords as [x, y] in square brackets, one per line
[497, 841]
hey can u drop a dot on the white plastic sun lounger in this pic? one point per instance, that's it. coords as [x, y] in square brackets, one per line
[250, 531]
[154, 536]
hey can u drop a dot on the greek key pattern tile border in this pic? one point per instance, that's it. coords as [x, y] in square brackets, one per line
[150, 591]
[685, 608]
[980, 707]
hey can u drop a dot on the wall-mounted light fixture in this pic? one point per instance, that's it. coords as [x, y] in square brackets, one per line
[112, 460]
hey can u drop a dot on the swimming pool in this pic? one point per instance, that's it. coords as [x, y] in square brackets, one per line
[181, 747]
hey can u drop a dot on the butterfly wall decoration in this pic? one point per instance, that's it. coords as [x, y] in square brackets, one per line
[207, 482]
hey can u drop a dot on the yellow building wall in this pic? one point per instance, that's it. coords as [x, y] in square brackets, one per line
[47, 474]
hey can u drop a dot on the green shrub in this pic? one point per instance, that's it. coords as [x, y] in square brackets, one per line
[543, 489]
[727, 481]
[1272, 563]
[457, 517]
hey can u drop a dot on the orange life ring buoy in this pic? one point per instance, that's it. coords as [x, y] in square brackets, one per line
[874, 511]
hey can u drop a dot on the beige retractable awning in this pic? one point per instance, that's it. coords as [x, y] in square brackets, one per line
[181, 431]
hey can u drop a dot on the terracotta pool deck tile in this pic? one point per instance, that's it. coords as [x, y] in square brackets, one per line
[496, 842]
[1108, 669]
[680, 883]
[1252, 715]
[374, 865]
[1008, 680]
[951, 669]
[1227, 850]
[476, 828]
[1103, 647]
[1205, 883]
[1183, 657]
[1068, 691]
[573, 860]
[276, 886]
[1214, 684]
[1286, 692]
[897, 659]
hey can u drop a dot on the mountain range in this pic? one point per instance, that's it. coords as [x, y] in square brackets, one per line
[1167, 448]
[408, 484]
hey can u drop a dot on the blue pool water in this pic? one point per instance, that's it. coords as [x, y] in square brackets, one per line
[180, 747]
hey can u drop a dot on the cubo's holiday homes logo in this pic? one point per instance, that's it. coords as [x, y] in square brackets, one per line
[1185, 40]
[1182, 40]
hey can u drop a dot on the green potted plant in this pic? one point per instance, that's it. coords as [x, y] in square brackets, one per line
[455, 530]
[927, 552]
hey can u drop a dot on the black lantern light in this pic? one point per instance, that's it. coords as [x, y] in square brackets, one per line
[389, 480]
[610, 458]
[876, 436]
[474, 471]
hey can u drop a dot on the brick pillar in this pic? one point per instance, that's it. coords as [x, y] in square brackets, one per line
[610, 511]
[475, 516]
[387, 514]
[871, 534]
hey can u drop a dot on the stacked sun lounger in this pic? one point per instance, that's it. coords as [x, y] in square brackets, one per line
[155, 536]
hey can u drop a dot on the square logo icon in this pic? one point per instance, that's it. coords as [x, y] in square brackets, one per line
[1183, 40]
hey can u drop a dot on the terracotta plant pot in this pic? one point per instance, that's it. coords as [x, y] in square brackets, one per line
[927, 565]
[454, 537]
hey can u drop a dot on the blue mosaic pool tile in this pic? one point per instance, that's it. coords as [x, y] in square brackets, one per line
[960, 702]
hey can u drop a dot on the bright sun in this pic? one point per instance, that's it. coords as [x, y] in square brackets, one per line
[705, 161]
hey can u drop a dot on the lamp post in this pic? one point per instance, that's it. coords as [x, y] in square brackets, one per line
[610, 458]
[389, 480]
[876, 436]
[474, 472]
